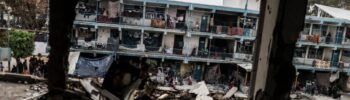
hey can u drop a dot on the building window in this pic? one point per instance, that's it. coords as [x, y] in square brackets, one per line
[300, 52]
[306, 29]
[315, 53]
[245, 47]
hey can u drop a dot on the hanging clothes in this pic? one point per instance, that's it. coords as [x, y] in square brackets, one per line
[190, 43]
[169, 43]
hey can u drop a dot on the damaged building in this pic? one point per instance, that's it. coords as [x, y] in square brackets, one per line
[180, 43]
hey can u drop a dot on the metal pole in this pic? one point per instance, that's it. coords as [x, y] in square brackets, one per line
[8, 44]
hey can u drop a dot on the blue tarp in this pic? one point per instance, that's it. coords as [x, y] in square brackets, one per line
[96, 67]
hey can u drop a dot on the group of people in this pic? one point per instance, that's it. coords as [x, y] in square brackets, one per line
[36, 67]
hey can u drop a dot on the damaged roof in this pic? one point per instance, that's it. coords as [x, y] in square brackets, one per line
[335, 12]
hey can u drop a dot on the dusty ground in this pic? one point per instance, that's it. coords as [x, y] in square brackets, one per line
[15, 91]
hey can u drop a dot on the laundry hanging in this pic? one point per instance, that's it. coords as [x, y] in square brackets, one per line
[96, 67]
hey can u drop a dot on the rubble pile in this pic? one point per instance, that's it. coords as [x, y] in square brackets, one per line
[15, 91]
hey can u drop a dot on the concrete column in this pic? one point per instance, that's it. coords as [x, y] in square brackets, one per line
[120, 33]
[166, 15]
[307, 52]
[142, 32]
[344, 34]
[323, 54]
[235, 47]
[310, 30]
[144, 12]
[340, 54]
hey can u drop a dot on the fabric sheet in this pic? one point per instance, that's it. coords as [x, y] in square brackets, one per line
[103, 35]
[190, 44]
[72, 60]
[169, 43]
[40, 47]
[97, 67]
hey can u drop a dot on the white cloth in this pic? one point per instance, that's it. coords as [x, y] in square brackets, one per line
[72, 60]
[169, 43]
[189, 44]
[103, 35]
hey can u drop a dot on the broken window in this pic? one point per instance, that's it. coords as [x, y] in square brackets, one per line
[221, 48]
[203, 47]
[225, 23]
[300, 52]
[315, 53]
[178, 44]
[130, 38]
[152, 41]
[108, 11]
[132, 14]
[84, 37]
[86, 10]
[245, 47]
[155, 17]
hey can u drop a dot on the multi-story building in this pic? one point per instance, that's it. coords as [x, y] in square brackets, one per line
[203, 40]
[206, 41]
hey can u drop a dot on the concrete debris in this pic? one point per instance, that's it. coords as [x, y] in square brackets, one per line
[200, 89]
[163, 96]
[15, 91]
[230, 92]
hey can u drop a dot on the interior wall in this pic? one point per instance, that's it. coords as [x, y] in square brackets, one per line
[327, 53]
[172, 11]
[332, 30]
[196, 17]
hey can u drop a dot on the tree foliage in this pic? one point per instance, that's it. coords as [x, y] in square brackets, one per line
[21, 43]
[29, 14]
[3, 38]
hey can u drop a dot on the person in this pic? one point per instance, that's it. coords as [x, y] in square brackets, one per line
[14, 69]
[1, 67]
[19, 66]
[25, 67]
[32, 64]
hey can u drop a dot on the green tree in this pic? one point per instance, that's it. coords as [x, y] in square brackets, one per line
[21, 43]
[3, 38]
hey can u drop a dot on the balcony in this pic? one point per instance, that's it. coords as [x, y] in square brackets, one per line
[243, 56]
[111, 45]
[319, 65]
